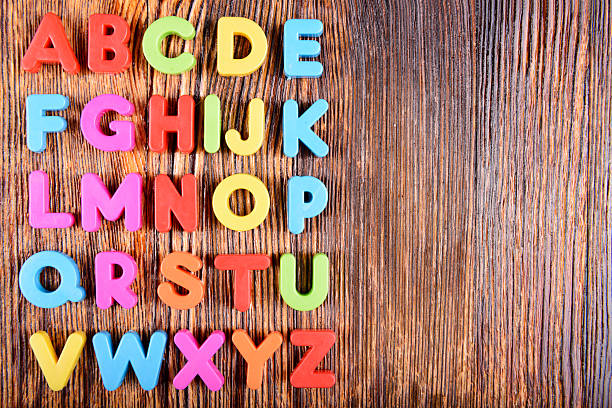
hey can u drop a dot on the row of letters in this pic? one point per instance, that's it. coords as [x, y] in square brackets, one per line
[113, 365]
[178, 268]
[295, 127]
[108, 49]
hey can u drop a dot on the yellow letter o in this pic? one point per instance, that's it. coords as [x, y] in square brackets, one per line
[221, 207]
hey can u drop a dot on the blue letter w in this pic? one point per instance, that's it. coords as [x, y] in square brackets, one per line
[130, 350]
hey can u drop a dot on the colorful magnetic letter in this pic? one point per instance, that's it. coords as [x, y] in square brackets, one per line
[108, 52]
[294, 48]
[304, 374]
[161, 124]
[172, 269]
[152, 43]
[299, 128]
[320, 283]
[96, 200]
[199, 360]
[108, 287]
[242, 265]
[38, 124]
[256, 118]
[49, 46]
[212, 123]
[70, 286]
[256, 357]
[130, 351]
[40, 215]
[227, 28]
[124, 138]
[221, 206]
[298, 208]
[183, 205]
[57, 371]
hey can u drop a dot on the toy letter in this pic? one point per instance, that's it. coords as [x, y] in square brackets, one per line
[130, 351]
[242, 265]
[124, 138]
[70, 286]
[40, 216]
[199, 360]
[173, 268]
[294, 48]
[256, 357]
[299, 128]
[96, 200]
[227, 28]
[152, 44]
[57, 371]
[50, 45]
[108, 287]
[108, 52]
[320, 342]
[298, 207]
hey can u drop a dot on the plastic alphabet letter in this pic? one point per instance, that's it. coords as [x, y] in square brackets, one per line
[108, 52]
[40, 216]
[124, 138]
[183, 205]
[227, 28]
[212, 123]
[160, 124]
[294, 48]
[221, 207]
[130, 351]
[304, 374]
[70, 286]
[256, 357]
[152, 43]
[38, 124]
[256, 118]
[50, 45]
[57, 371]
[298, 208]
[297, 129]
[172, 269]
[320, 283]
[108, 287]
[199, 360]
[242, 265]
[95, 199]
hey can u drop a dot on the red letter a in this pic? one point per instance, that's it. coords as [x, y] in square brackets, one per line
[50, 45]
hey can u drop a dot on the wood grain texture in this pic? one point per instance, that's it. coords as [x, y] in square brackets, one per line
[468, 227]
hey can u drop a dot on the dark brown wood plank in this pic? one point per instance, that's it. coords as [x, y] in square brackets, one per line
[468, 222]
[597, 343]
[532, 155]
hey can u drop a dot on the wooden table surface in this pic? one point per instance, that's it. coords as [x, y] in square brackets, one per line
[467, 226]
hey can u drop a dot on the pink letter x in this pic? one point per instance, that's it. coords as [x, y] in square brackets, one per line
[199, 360]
